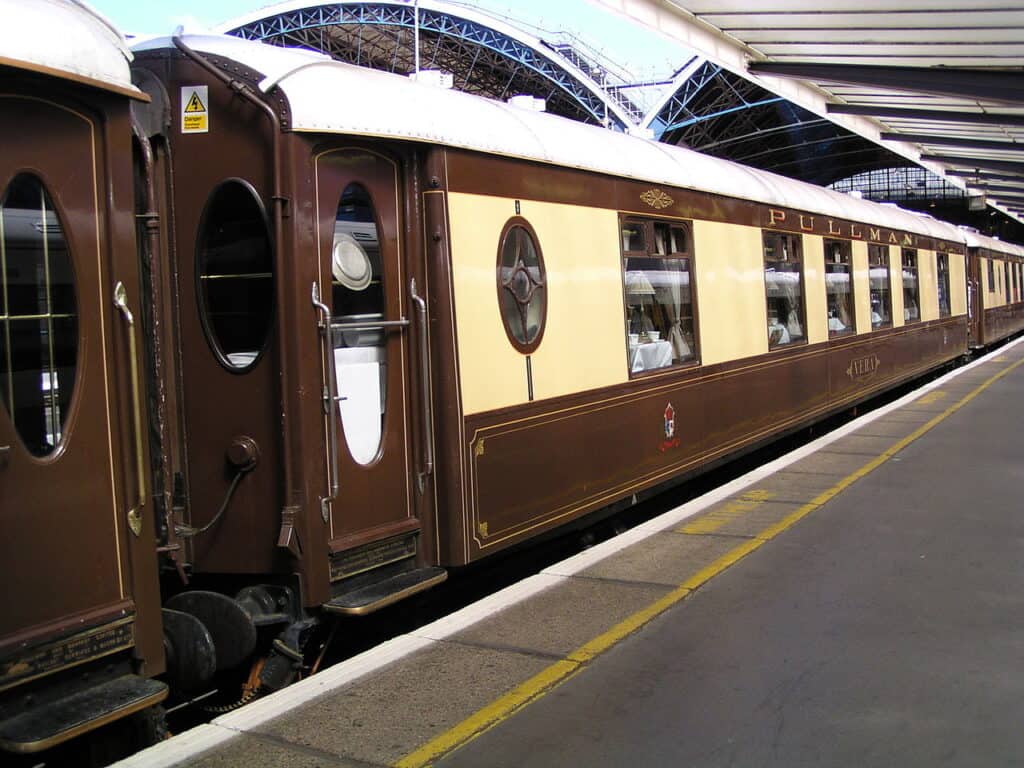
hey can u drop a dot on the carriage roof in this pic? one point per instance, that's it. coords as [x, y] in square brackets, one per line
[65, 38]
[333, 97]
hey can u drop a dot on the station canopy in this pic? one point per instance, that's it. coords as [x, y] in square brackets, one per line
[483, 54]
[938, 83]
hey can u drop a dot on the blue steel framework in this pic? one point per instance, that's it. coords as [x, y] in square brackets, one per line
[483, 60]
[720, 113]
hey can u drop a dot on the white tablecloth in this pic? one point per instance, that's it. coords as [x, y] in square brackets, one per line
[645, 357]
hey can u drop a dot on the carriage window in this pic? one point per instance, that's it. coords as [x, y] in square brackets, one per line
[878, 275]
[235, 269]
[991, 275]
[38, 316]
[358, 300]
[911, 305]
[839, 287]
[522, 288]
[784, 290]
[659, 297]
[942, 266]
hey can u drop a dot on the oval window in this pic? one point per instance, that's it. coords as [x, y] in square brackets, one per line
[522, 291]
[38, 316]
[360, 349]
[235, 271]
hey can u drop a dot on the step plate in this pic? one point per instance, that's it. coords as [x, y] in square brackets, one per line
[373, 597]
[45, 727]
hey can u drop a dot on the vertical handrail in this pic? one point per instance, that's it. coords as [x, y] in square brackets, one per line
[330, 397]
[121, 302]
[428, 420]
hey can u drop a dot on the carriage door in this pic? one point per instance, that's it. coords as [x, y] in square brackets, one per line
[65, 448]
[361, 259]
[974, 314]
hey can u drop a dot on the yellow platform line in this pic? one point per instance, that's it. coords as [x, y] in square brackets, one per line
[550, 678]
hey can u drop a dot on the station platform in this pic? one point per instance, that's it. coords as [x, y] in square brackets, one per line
[857, 602]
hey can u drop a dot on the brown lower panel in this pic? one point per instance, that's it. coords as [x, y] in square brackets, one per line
[1002, 322]
[69, 652]
[537, 466]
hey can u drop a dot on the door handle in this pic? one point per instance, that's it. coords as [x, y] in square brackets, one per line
[330, 397]
[428, 420]
[134, 514]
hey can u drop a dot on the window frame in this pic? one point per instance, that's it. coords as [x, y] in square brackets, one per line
[846, 251]
[202, 305]
[797, 241]
[940, 275]
[62, 426]
[647, 225]
[904, 253]
[878, 253]
[531, 346]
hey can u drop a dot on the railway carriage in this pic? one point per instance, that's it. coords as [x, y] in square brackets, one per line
[80, 637]
[996, 281]
[390, 329]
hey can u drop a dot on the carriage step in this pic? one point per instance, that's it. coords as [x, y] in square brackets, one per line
[372, 597]
[46, 726]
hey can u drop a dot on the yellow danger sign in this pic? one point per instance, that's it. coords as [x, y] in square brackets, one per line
[195, 117]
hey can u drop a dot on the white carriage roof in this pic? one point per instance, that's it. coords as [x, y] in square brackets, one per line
[331, 97]
[65, 37]
[976, 240]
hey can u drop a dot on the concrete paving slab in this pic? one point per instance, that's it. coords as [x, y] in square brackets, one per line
[665, 558]
[827, 462]
[245, 751]
[862, 445]
[743, 515]
[912, 416]
[797, 487]
[561, 619]
[386, 715]
[886, 427]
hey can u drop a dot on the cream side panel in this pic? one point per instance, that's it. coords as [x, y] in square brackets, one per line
[896, 280]
[986, 286]
[493, 373]
[733, 311]
[814, 288]
[957, 284]
[929, 284]
[584, 344]
[861, 287]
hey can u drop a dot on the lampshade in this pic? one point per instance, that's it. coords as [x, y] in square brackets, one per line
[637, 284]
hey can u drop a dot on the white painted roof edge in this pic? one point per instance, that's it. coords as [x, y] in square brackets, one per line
[384, 105]
[977, 240]
[65, 36]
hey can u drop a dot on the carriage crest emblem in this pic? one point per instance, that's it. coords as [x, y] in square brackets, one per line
[670, 441]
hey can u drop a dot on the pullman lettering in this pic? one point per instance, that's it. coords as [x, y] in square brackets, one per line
[780, 219]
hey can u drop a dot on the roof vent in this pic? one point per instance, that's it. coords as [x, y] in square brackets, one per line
[532, 103]
[434, 77]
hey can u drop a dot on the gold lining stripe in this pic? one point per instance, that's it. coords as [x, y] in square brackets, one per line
[652, 478]
[559, 672]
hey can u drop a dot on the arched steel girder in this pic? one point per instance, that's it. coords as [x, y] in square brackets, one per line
[484, 56]
[718, 112]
